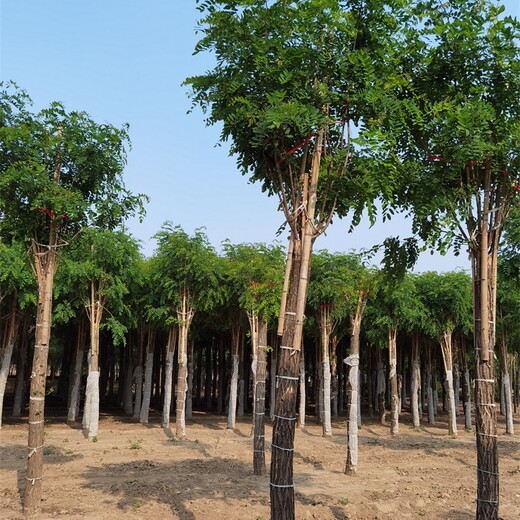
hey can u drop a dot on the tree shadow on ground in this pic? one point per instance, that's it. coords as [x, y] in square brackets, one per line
[178, 484]
[14, 456]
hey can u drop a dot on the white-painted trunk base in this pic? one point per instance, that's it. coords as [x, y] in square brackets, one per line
[91, 410]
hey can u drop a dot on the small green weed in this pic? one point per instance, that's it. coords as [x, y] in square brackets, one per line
[138, 505]
[135, 445]
[343, 501]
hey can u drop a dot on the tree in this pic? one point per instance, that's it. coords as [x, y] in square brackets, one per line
[458, 103]
[256, 272]
[508, 299]
[101, 264]
[447, 298]
[59, 171]
[291, 79]
[186, 275]
[395, 307]
[16, 286]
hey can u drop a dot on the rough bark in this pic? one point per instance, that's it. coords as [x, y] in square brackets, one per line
[45, 267]
[303, 395]
[259, 401]
[484, 269]
[272, 382]
[282, 445]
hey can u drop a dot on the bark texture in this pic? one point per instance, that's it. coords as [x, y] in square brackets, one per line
[45, 267]
[184, 315]
[259, 400]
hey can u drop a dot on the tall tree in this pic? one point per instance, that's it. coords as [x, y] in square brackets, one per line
[458, 101]
[447, 298]
[395, 308]
[188, 278]
[102, 264]
[290, 81]
[59, 171]
[509, 307]
[256, 272]
[17, 292]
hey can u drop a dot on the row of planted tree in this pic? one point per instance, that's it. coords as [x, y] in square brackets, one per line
[202, 326]
[338, 108]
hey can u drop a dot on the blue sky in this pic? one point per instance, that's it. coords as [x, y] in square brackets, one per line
[123, 61]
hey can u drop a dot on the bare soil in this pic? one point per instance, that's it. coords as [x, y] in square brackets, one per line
[141, 471]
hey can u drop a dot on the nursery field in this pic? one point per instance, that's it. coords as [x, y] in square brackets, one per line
[141, 471]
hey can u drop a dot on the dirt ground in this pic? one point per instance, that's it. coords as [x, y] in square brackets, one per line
[141, 471]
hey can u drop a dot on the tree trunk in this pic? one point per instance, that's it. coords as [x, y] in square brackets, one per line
[381, 388]
[370, 393]
[506, 385]
[298, 267]
[233, 389]
[21, 369]
[325, 322]
[352, 362]
[241, 380]
[189, 390]
[334, 393]
[91, 409]
[259, 400]
[184, 315]
[394, 388]
[147, 387]
[272, 382]
[456, 386]
[7, 351]
[126, 396]
[75, 384]
[447, 357]
[416, 376]
[168, 377]
[484, 269]
[138, 374]
[282, 445]
[303, 395]
[207, 376]
[45, 266]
